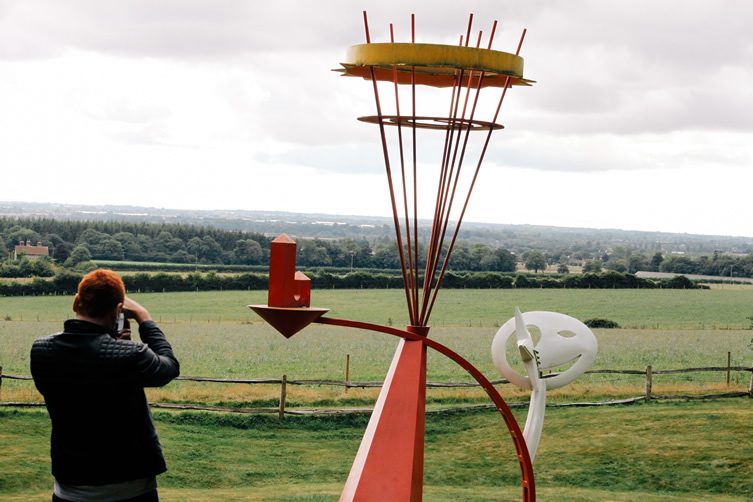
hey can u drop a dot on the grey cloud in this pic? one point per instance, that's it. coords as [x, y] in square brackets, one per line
[177, 29]
[602, 67]
[345, 158]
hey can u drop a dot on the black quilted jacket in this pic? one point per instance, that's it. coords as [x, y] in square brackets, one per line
[93, 385]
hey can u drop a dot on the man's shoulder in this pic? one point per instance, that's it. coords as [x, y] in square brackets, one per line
[108, 347]
[43, 344]
[113, 348]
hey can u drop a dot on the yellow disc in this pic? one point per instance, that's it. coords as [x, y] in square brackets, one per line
[436, 59]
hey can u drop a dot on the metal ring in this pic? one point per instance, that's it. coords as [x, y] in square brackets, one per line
[439, 123]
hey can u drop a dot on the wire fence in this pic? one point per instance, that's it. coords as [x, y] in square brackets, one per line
[282, 409]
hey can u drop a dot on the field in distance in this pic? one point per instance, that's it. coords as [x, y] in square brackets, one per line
[723, 308]
[215, 335]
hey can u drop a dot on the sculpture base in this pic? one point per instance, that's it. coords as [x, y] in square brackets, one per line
[389, 464]
[288, 320]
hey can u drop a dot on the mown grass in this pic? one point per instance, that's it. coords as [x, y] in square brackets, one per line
[681, 451]
[235, 343]
[235, 350]
[631, 308]
[659, 451]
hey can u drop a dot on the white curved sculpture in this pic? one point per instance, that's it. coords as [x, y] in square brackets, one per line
[563, 339]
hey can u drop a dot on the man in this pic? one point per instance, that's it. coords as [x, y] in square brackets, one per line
[104, 445]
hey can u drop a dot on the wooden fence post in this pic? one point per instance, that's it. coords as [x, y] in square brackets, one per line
[283, 395]
[729, 363]
[1, 382]
[649, 382]
[750, 385]
[347, 372]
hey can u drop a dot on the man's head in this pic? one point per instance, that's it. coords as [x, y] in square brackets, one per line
[100, 296]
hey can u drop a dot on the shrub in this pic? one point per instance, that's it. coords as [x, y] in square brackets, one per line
[601, 323]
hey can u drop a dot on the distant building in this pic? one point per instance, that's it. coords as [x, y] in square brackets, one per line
[30, 251]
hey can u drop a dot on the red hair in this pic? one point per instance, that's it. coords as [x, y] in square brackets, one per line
[99, 292]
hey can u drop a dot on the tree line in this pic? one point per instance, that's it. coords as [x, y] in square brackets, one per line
[66, 282]
[75, 243]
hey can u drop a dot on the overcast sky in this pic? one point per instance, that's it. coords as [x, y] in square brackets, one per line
[641, 117]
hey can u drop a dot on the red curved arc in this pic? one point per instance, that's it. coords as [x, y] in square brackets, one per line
[524, 459]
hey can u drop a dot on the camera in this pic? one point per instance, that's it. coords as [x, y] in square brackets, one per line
[120, 323]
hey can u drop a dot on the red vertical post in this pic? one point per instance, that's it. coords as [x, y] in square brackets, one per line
[282, 272]
[389, 464]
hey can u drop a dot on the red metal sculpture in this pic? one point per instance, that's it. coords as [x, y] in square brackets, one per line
[389, 462]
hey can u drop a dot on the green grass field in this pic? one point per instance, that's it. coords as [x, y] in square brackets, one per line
[654, 452]
[631, 308]
[214, 334]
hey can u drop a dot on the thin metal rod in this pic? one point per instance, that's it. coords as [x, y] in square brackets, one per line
[449, 199]
[432, 250]
[437, 236]
[409, 284]
[491, 37]
[431, 243]
[388, 169]
[366, 27]
[475, 176]
[427, 312]
[444, 215]
[434, 247]
[470, 24]
[415, 171]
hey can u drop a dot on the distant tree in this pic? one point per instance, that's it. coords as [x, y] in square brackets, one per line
[592, 266]
[131, 247]
[18, 234]
[79, 254]
[109, 249]
[386, 256]
[678, 265]
[563, 269]
[535, 260]
[506, 260]
[616, 264]
[211, 250]
[164, 242]
[42, 267]
[205, 249]
[146, 243]
[313, 253]
[656, 262]
[91, 238]
[193, 246]
[360, 252]
[636, 263]
[53, 240]
[248, 252]
[62, 251]
[482, 257]
[461, 258]
[181, 256]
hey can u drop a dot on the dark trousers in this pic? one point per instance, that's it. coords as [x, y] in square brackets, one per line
[147, 497]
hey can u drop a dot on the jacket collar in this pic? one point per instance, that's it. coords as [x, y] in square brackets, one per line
[84, 327]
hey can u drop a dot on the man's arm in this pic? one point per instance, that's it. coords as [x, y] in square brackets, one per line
[157, 365]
